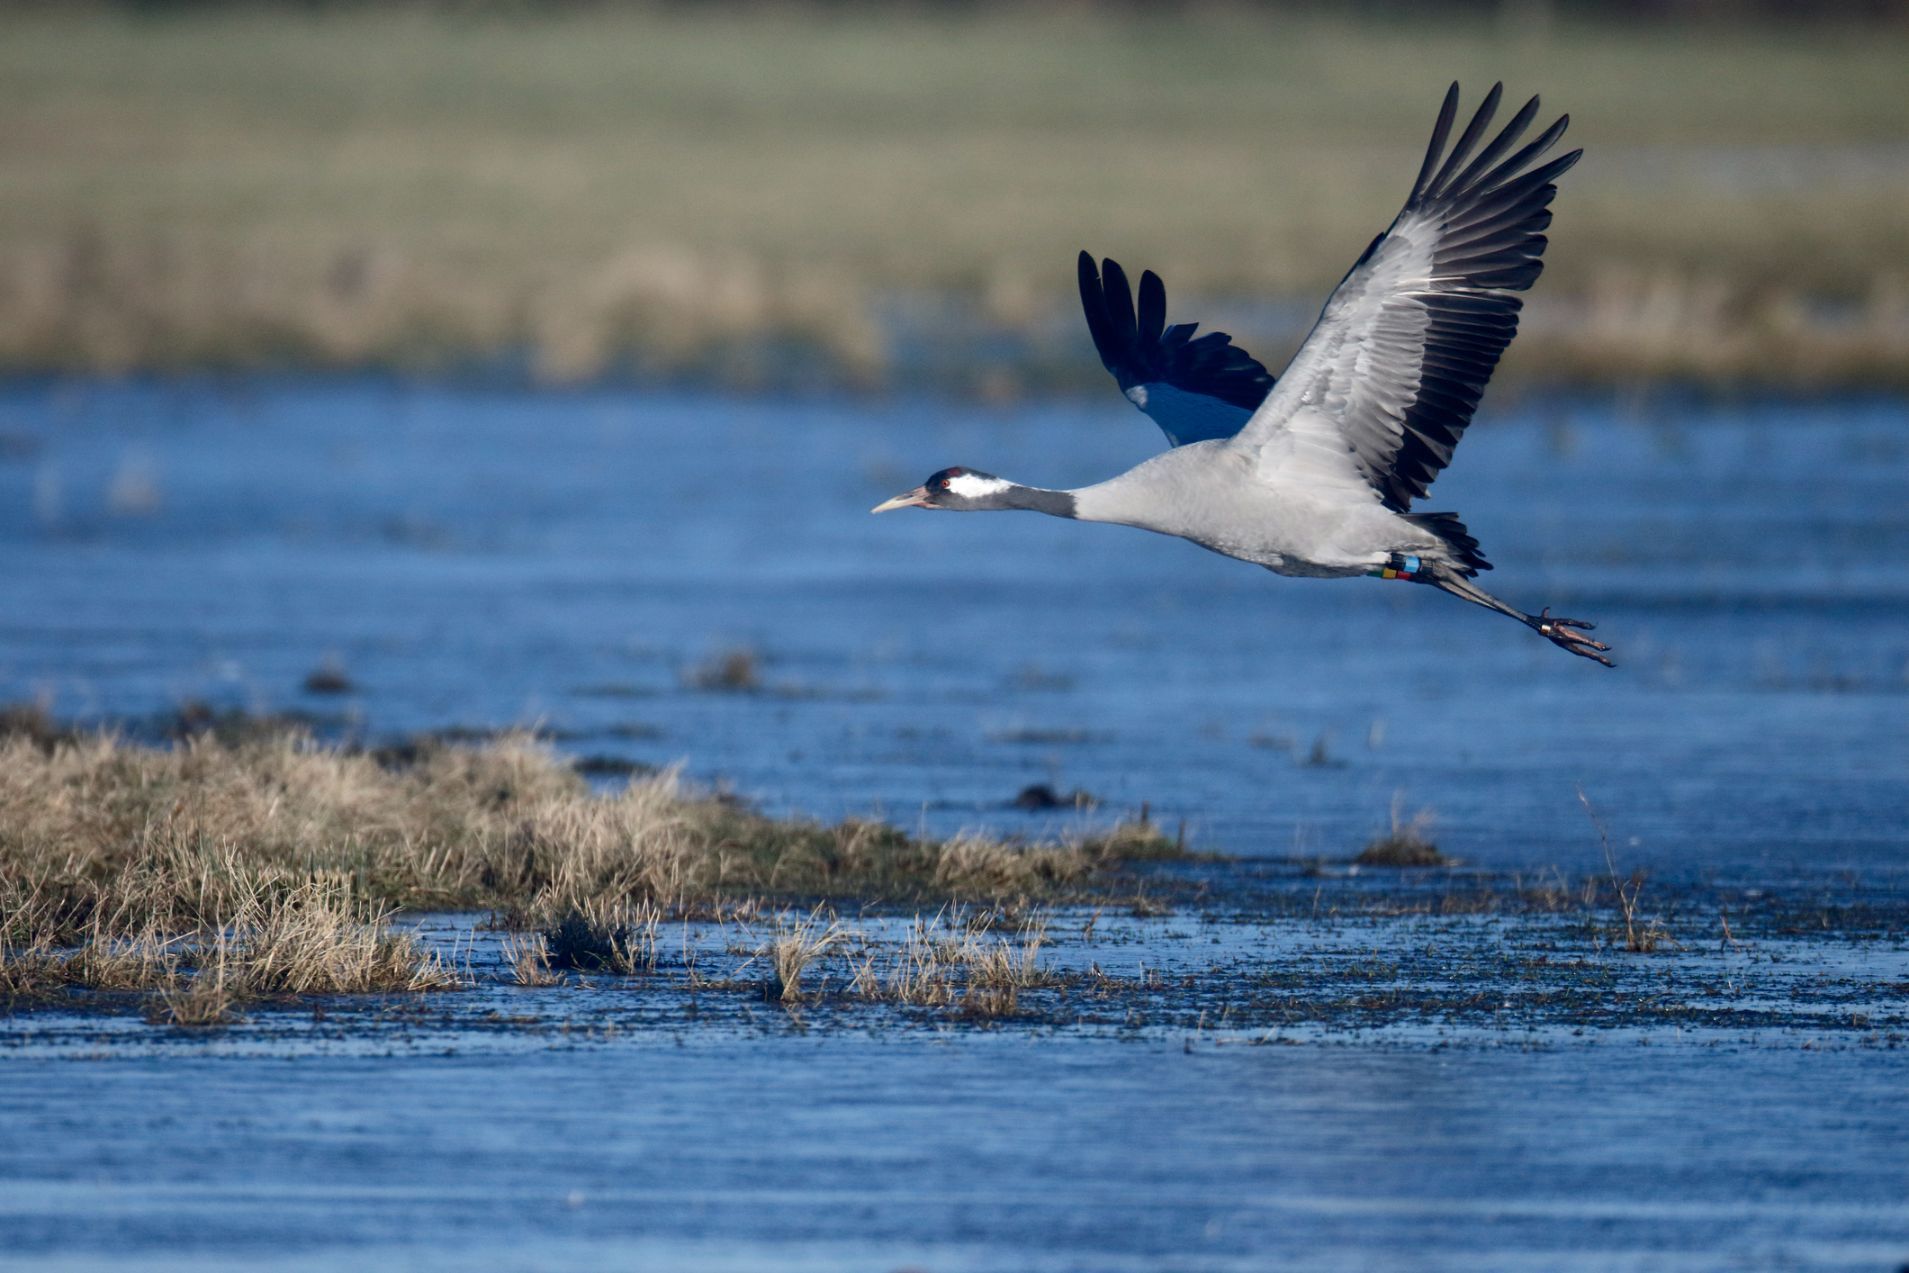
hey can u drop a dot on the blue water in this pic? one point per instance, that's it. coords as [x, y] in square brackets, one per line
[479, 557]
[995, 1152]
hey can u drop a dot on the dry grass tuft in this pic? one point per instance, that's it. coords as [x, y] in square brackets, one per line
[1401, 849]
[954, 960]
[200, 1002]
[259, 940]
[799, 943]
[1406, 845]
[529, 958]
[316, 939]
[1639, 939]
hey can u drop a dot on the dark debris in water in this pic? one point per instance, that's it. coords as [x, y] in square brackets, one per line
[1045, 737]
[329, 677]
[1042, 796]
[599, 765]
[735, 671]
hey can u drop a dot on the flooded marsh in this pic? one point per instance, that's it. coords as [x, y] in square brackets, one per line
[478, 790]
[1669, 1035]
[1200, 1090]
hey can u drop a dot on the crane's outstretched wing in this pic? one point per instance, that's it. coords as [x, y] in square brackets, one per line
[1195, 388]
[1401, 353]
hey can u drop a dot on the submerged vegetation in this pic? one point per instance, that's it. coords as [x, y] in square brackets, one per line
[246, 867]
[201, 944]
[222, 876]
[755, 194]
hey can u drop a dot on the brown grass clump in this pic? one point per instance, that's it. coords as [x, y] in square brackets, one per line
[1405, 845]
[954, 961]
[101, 829]
[265, 939]
[998, 970]
[315, 939]
[28, 972]
[308, 938]
[200, 1002]
[529, 958]
[279, 862]
[1401, 849]
[798, 943]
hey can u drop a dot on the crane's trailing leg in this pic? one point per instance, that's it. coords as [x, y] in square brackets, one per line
[1566, 634]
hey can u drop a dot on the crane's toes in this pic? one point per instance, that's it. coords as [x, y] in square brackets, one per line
[1566, 635]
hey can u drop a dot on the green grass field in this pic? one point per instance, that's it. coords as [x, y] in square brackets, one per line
[617, 187]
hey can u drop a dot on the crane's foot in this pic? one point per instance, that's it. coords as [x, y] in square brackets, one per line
[1568, 634]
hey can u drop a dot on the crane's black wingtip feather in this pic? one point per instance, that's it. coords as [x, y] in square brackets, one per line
[1488, 211]
[1434, 149]
[1139, 348]
[1093, 305]
[1152, 313]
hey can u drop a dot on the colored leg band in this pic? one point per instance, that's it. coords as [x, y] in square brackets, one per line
[1402, 566]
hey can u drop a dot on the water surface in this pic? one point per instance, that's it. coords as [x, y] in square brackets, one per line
[481, 558]
[477, 557]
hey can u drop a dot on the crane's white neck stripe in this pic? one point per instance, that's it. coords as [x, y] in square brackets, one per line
[969, 486]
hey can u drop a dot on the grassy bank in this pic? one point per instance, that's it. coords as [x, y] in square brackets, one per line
[762, 194]
[215, 871]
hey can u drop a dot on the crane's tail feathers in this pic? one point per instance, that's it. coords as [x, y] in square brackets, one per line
[1566, 634]
[1467, 558]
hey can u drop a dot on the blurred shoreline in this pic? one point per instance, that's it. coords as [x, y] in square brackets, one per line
[876, 199]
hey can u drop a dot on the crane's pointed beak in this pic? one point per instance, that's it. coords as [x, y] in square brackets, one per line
[917, 498]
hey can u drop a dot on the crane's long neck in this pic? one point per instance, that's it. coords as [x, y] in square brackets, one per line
[982, 492]
[1033, 499]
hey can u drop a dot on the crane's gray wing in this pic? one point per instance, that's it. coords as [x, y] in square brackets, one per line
[1392, 371]
[1195, 388]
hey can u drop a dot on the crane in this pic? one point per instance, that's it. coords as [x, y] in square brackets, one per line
[1314, 475]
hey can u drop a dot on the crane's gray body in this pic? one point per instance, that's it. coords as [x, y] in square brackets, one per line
[1219, 495]
[1318, 479]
